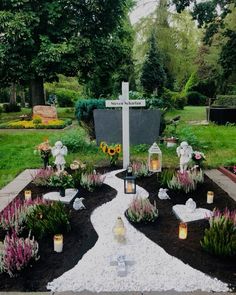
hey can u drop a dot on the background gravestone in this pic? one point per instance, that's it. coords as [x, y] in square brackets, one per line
[144, 126]
[46, 113]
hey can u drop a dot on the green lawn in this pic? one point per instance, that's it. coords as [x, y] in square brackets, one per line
[218, 143]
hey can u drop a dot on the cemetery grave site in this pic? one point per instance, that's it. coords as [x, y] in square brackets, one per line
[118, 146]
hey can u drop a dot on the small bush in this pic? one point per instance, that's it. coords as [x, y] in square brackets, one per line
[61, 180]
[225, 100]
[66, 97]
[84, 108]
[76, 140]
[220, 238]
[37, 120]
[179, 100]
[48, 219]
[17, 253]
[10, 108]
[195, 98]
[141, 210]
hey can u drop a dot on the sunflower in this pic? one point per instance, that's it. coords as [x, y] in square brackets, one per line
[104, 149]
[102, 144]
[111, 151]
[118, 148]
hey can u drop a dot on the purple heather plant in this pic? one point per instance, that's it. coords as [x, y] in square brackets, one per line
[139, 169]
[17, 253]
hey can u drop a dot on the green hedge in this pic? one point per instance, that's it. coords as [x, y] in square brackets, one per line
[66, 97]
[225, 100]
[195, 98]
[84, 108]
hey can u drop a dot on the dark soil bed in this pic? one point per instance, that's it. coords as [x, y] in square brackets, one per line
[164, 231]
[77, 242]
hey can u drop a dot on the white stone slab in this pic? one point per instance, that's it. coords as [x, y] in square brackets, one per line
[184, 214]
[55, 196]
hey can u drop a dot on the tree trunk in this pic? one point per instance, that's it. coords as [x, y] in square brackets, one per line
[13, 94]
[22, 103]
[37, 91]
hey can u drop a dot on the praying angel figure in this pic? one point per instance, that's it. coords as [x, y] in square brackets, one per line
[184, 152]
[59, 151]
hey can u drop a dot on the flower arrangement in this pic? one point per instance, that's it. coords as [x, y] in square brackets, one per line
[44, 149]
[186, 181]
[17, 253]
[220, 238]
[37, 123]
[91, 180]
[113, 151]
[198, 158]
[61, 180]
[139, 169]
[141, 210]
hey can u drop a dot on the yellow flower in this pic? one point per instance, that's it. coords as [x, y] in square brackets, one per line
[118, 148]
[111, 151]
[104, 149]
[102, 144]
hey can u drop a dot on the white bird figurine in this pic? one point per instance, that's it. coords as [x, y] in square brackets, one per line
[162, 194]
[78, 204]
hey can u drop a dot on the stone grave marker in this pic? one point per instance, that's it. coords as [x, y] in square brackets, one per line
[46, 113]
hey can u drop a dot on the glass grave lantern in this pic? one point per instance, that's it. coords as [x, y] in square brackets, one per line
[129, 182]
[154, 158]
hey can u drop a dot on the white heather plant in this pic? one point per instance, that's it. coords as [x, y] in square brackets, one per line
[141, 210]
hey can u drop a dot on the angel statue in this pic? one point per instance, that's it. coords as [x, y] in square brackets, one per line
[59, 151]
[184, 152]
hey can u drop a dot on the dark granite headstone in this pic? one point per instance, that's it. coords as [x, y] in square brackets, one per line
[144, 126]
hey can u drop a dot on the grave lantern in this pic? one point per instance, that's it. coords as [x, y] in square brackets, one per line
[130, 181]
[58, 243]
[154, 158]
[27, 195]
[119, 230]
[210, 197]
[183, 230]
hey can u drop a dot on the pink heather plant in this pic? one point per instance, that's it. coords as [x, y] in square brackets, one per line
[226, 215]
[13, 216]
[17, 253]
[139, 169]
[42, 177]
[91, 181]
[141, 210]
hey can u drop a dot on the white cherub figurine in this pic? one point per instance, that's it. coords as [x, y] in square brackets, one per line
[162, 194]
[59, 151]
[78, 204]
[184, 152]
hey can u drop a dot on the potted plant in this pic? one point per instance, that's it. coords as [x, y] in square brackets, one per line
[44, 149]
[170, 136]
[62, 181]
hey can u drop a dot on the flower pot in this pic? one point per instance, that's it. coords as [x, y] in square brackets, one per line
[170, 141]
[62, 192]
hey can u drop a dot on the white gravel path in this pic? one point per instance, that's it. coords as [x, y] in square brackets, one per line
[153, 269]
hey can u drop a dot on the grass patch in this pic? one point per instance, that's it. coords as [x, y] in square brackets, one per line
[17, 146]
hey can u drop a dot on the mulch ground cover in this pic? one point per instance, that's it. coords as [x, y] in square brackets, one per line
[164, 231]
[77, 242]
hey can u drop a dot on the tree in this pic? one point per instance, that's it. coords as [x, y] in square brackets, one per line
[40, 39]
[153, 76]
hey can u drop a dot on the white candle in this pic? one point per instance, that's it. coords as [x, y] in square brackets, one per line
[155, 165]
[183, 231]
[210, 197]
[58, 243]
[27, 195]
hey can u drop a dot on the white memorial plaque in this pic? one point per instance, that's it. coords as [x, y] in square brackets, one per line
[70, 193]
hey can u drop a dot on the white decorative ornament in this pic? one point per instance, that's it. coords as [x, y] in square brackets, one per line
[59, 151]
[78, 204]
[162, 194]
[184, 152]
[191, 205]
[121, 261]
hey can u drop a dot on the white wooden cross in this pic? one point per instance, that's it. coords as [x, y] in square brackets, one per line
[125, 104]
